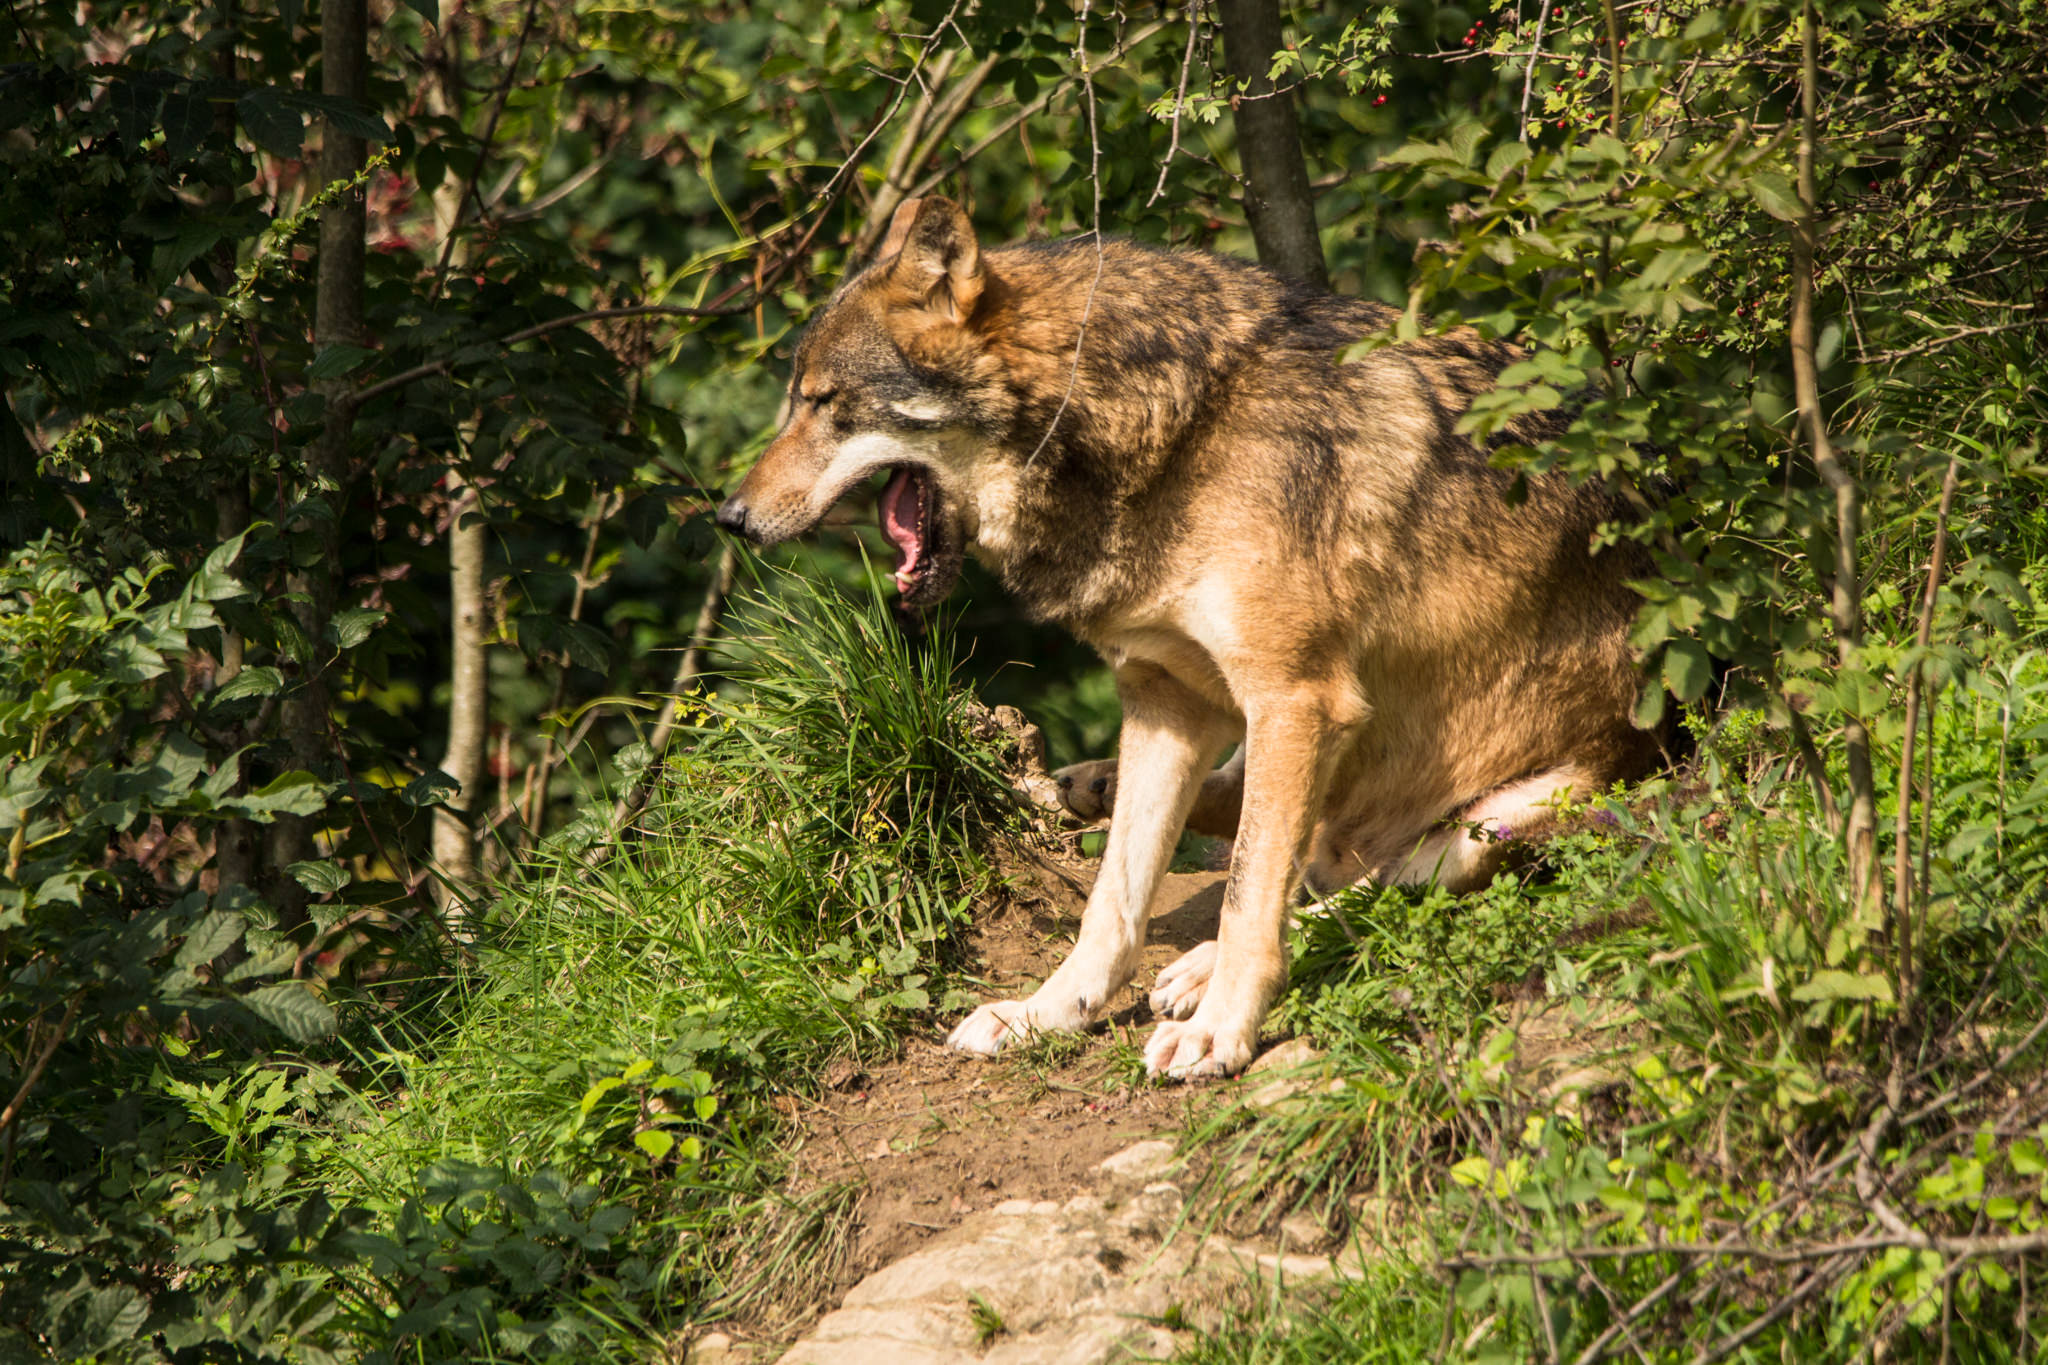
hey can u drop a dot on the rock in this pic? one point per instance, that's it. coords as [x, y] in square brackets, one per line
[1140, 1163]
[716, 1348]
[1082, 1282]
[1289, 1070]
[1303, 1231]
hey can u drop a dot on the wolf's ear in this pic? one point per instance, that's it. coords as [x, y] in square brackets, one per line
[937, 257]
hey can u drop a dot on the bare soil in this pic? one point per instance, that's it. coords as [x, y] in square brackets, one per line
[933, 1136]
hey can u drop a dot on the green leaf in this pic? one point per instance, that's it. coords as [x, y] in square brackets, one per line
[1687, 669]
[270, 123]
[1505, 158]
[214, 934]
[351, 627]
[293, 793]
[655, 1142]
[293, 1010]
[338, 360]
[322, 879]
[177, 768]
[429, 10]
[430, 788]
[260, 681]
[1774, 195]
[1830, 984]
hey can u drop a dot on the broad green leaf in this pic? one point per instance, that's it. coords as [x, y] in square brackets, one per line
[1687, 670]
[292, 1009]
[1505, 158]
[259, 681]
[338, 360]
[214, 934]
[293, 793]
[429, 789]
[271, 124]
[320, 878]
[354, 625]
[1775, 196]
[655, 1142]
[1830, 984]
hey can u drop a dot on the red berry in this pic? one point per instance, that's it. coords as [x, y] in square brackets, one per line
[1378, 102]
[1582, 73]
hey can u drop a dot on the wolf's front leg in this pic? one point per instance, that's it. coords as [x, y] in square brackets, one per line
[1292, 738]
[1170, 738]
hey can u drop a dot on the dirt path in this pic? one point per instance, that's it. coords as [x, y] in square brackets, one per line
[934, 1136]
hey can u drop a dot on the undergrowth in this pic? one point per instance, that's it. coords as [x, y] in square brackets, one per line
[565, 1143]
[1656, 1097]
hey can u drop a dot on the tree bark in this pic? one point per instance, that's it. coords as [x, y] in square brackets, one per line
[469, 686]
[1278, 202]
[1846, 600]
[338, 317]
[237, 842]
[469, 701]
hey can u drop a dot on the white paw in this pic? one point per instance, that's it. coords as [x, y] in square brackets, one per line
[1197, 1050]
[1182, 981]
[992, 1028]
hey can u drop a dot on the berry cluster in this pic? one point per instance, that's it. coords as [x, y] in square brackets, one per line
[1472, 33]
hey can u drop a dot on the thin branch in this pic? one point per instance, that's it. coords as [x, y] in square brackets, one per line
[483, 151]
[434, 367]
[1095, 184]
[37, 1067]
[1529, 70]
[1180, 99]
[1902, 844]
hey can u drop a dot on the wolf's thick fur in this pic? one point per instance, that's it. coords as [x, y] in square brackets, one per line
[1161, 452]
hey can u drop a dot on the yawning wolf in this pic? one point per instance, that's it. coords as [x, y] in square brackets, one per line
[1161, 452]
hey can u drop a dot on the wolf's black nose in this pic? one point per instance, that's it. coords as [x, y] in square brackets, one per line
[732, 516]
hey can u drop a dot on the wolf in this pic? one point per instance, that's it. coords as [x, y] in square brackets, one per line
[1161, 452]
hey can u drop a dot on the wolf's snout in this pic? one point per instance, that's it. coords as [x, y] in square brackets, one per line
[732, 516]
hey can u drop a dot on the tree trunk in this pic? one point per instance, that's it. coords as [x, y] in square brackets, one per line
[238, 842]
[469, 689]
[338, 317]
[1278, 201]
[469, 701]
[1846, 606]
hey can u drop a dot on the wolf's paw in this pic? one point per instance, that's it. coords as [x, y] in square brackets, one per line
[992, 1028]
[1197, 1050]
[1088, 789]
[1182, 981]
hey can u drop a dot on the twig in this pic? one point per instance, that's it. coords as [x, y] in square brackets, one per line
[1180, 98]
[433, 367]
[1095, 184]
[37, 1067]
[1902, 849]
[708, 617]
[483, 151]
[1529, 70]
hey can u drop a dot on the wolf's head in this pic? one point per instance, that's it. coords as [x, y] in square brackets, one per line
[890, 376]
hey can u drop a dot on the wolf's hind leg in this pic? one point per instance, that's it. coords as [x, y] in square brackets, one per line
[1170, 738]
[1181, 982]
[1089, 791]
[1465, 856]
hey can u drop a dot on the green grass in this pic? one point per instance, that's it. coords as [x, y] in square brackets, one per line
[579, 1127]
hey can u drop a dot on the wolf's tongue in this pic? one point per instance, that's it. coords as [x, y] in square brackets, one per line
[903, 522]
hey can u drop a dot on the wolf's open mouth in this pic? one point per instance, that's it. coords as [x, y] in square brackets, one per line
[907, 507]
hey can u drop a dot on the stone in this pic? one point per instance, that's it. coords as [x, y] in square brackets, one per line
[1288, 1070]
[1086, 1281]
[1141, 1162]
